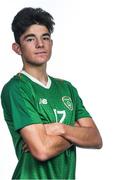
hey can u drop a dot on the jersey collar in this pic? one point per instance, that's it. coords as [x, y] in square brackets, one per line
[47, 86]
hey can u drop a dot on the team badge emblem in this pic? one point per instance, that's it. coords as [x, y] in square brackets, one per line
[67, 102]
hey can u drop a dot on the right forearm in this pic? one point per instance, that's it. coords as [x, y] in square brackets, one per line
[52, 146]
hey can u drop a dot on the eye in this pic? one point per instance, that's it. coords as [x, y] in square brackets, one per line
[46, 38]
[30, 39]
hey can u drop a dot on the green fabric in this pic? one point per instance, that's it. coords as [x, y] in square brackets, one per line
[25, 102]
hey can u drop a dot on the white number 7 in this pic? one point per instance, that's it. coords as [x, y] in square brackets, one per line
[58, 113]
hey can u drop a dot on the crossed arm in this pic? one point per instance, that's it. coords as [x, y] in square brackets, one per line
[49, 140]
[41, 145]
[83, 134]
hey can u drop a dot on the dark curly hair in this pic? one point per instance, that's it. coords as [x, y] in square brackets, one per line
[29, 16]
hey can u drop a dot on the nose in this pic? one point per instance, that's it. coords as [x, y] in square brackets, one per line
[39, 43]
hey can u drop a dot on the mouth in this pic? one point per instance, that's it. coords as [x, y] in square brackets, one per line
[40, 52]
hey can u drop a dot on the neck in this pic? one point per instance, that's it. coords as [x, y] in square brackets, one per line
[37, 72]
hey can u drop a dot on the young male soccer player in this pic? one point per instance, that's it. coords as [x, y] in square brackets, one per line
[43, 112]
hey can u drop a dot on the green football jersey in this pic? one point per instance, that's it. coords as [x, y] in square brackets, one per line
[25, 101]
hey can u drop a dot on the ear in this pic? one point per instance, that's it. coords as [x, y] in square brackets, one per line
[16, 48]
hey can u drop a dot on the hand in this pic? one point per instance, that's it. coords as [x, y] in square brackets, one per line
[25, 147]
[55, 129]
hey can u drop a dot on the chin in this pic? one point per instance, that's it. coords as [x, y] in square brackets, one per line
[37, 62]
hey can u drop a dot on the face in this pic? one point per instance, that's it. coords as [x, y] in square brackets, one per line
[35, 45]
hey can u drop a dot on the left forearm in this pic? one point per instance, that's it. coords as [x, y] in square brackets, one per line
[83, 136]
[79, 135]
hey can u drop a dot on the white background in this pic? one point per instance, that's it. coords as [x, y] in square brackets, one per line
[88, 52]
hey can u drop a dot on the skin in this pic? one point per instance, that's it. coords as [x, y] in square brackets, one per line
[35, 49]
[83, 134]
[45, 141]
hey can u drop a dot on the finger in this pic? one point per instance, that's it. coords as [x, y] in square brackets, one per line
[25, 148]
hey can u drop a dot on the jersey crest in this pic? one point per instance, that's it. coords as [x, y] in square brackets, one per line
[67, 102]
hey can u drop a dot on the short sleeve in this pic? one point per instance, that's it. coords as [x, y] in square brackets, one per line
[18, 104]
[80, 111]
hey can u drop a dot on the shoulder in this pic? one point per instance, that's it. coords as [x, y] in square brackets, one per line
[65, 86]
[64, 83]
[61, 81]
[15, 84]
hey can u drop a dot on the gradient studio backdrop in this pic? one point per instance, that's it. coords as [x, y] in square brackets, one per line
[87, 51]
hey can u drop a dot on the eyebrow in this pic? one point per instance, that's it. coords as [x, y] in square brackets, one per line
[46, 34]
[33, 35]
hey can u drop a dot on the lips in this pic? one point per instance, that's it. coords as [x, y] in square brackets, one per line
[42, 52]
